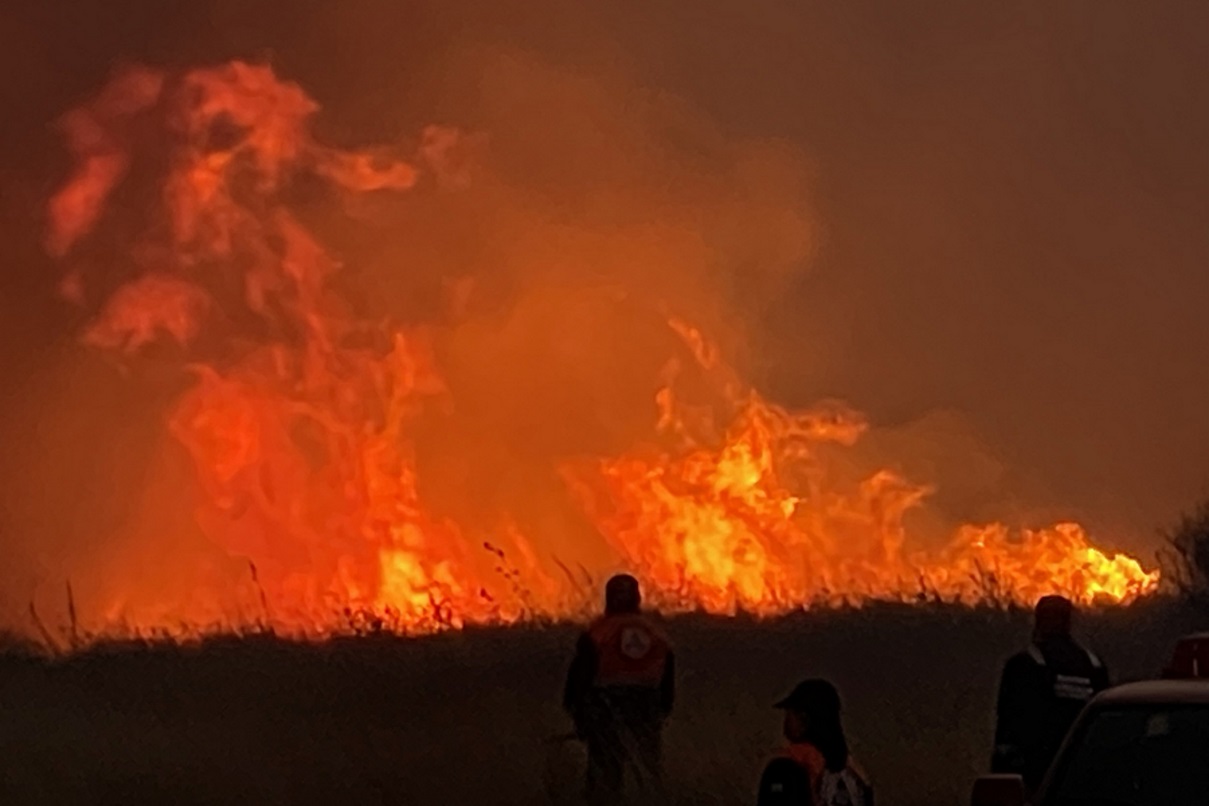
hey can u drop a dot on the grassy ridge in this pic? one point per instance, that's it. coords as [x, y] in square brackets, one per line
[464, 717]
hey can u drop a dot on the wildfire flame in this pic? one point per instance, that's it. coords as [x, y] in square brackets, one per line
[302, 436]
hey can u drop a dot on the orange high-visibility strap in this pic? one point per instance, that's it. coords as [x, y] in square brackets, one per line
[811, 759]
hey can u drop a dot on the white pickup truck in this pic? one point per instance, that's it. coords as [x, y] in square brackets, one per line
[1140, 744]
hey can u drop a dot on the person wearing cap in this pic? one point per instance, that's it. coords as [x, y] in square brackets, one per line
[619, 691]
[816, 767]
[1041, 692]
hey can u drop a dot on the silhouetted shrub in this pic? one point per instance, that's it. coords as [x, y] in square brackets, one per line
[1187, 554]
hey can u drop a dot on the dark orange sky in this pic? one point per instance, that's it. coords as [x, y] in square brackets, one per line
[1010, 202]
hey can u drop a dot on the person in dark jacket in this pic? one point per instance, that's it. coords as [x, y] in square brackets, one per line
[620, 690]
[1042, 691]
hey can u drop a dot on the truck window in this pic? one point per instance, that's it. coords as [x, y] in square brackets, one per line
[1137, 755]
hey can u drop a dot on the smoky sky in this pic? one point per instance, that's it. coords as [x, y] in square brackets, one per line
[1008, 208]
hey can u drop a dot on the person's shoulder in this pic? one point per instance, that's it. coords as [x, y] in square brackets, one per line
[650, 622]
[586, 639]
[1027, 658]
[1080, 647]
[1097, 663]
[808, 757]
[608, 627]
[655, 624]
[1075, 654]
[601, 624]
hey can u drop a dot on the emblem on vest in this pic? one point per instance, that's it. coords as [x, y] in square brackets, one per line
[635, 643]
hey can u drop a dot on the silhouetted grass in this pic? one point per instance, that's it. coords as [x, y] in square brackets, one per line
[464, 717]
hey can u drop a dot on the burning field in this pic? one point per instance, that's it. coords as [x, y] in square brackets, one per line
[472, 454]
[351, 347]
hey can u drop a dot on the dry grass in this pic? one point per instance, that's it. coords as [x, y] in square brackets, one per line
[463, 717]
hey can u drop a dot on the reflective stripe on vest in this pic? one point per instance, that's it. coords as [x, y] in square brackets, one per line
[1068, 687]
[630, 651]
[1072, 687]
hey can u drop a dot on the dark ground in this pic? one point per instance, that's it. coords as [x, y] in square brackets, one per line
[462, 718]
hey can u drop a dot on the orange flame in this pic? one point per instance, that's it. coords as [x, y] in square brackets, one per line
[760, 524]
[303, 444]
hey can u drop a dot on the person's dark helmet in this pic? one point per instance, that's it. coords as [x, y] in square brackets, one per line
[622, 594]
[1052, 616]
[813, 697]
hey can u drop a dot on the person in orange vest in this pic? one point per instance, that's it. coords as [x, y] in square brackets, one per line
[816, 768]
[1041, 692]
[619, 691]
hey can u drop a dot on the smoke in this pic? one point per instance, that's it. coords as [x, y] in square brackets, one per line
[600, 209]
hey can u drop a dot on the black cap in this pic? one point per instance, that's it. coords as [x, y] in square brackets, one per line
[622, 594]
[811, 696]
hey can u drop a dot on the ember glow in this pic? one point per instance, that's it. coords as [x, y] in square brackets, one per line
[301, 417]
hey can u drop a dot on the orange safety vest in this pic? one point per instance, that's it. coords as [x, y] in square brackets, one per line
[810, 758]
[630, 651]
